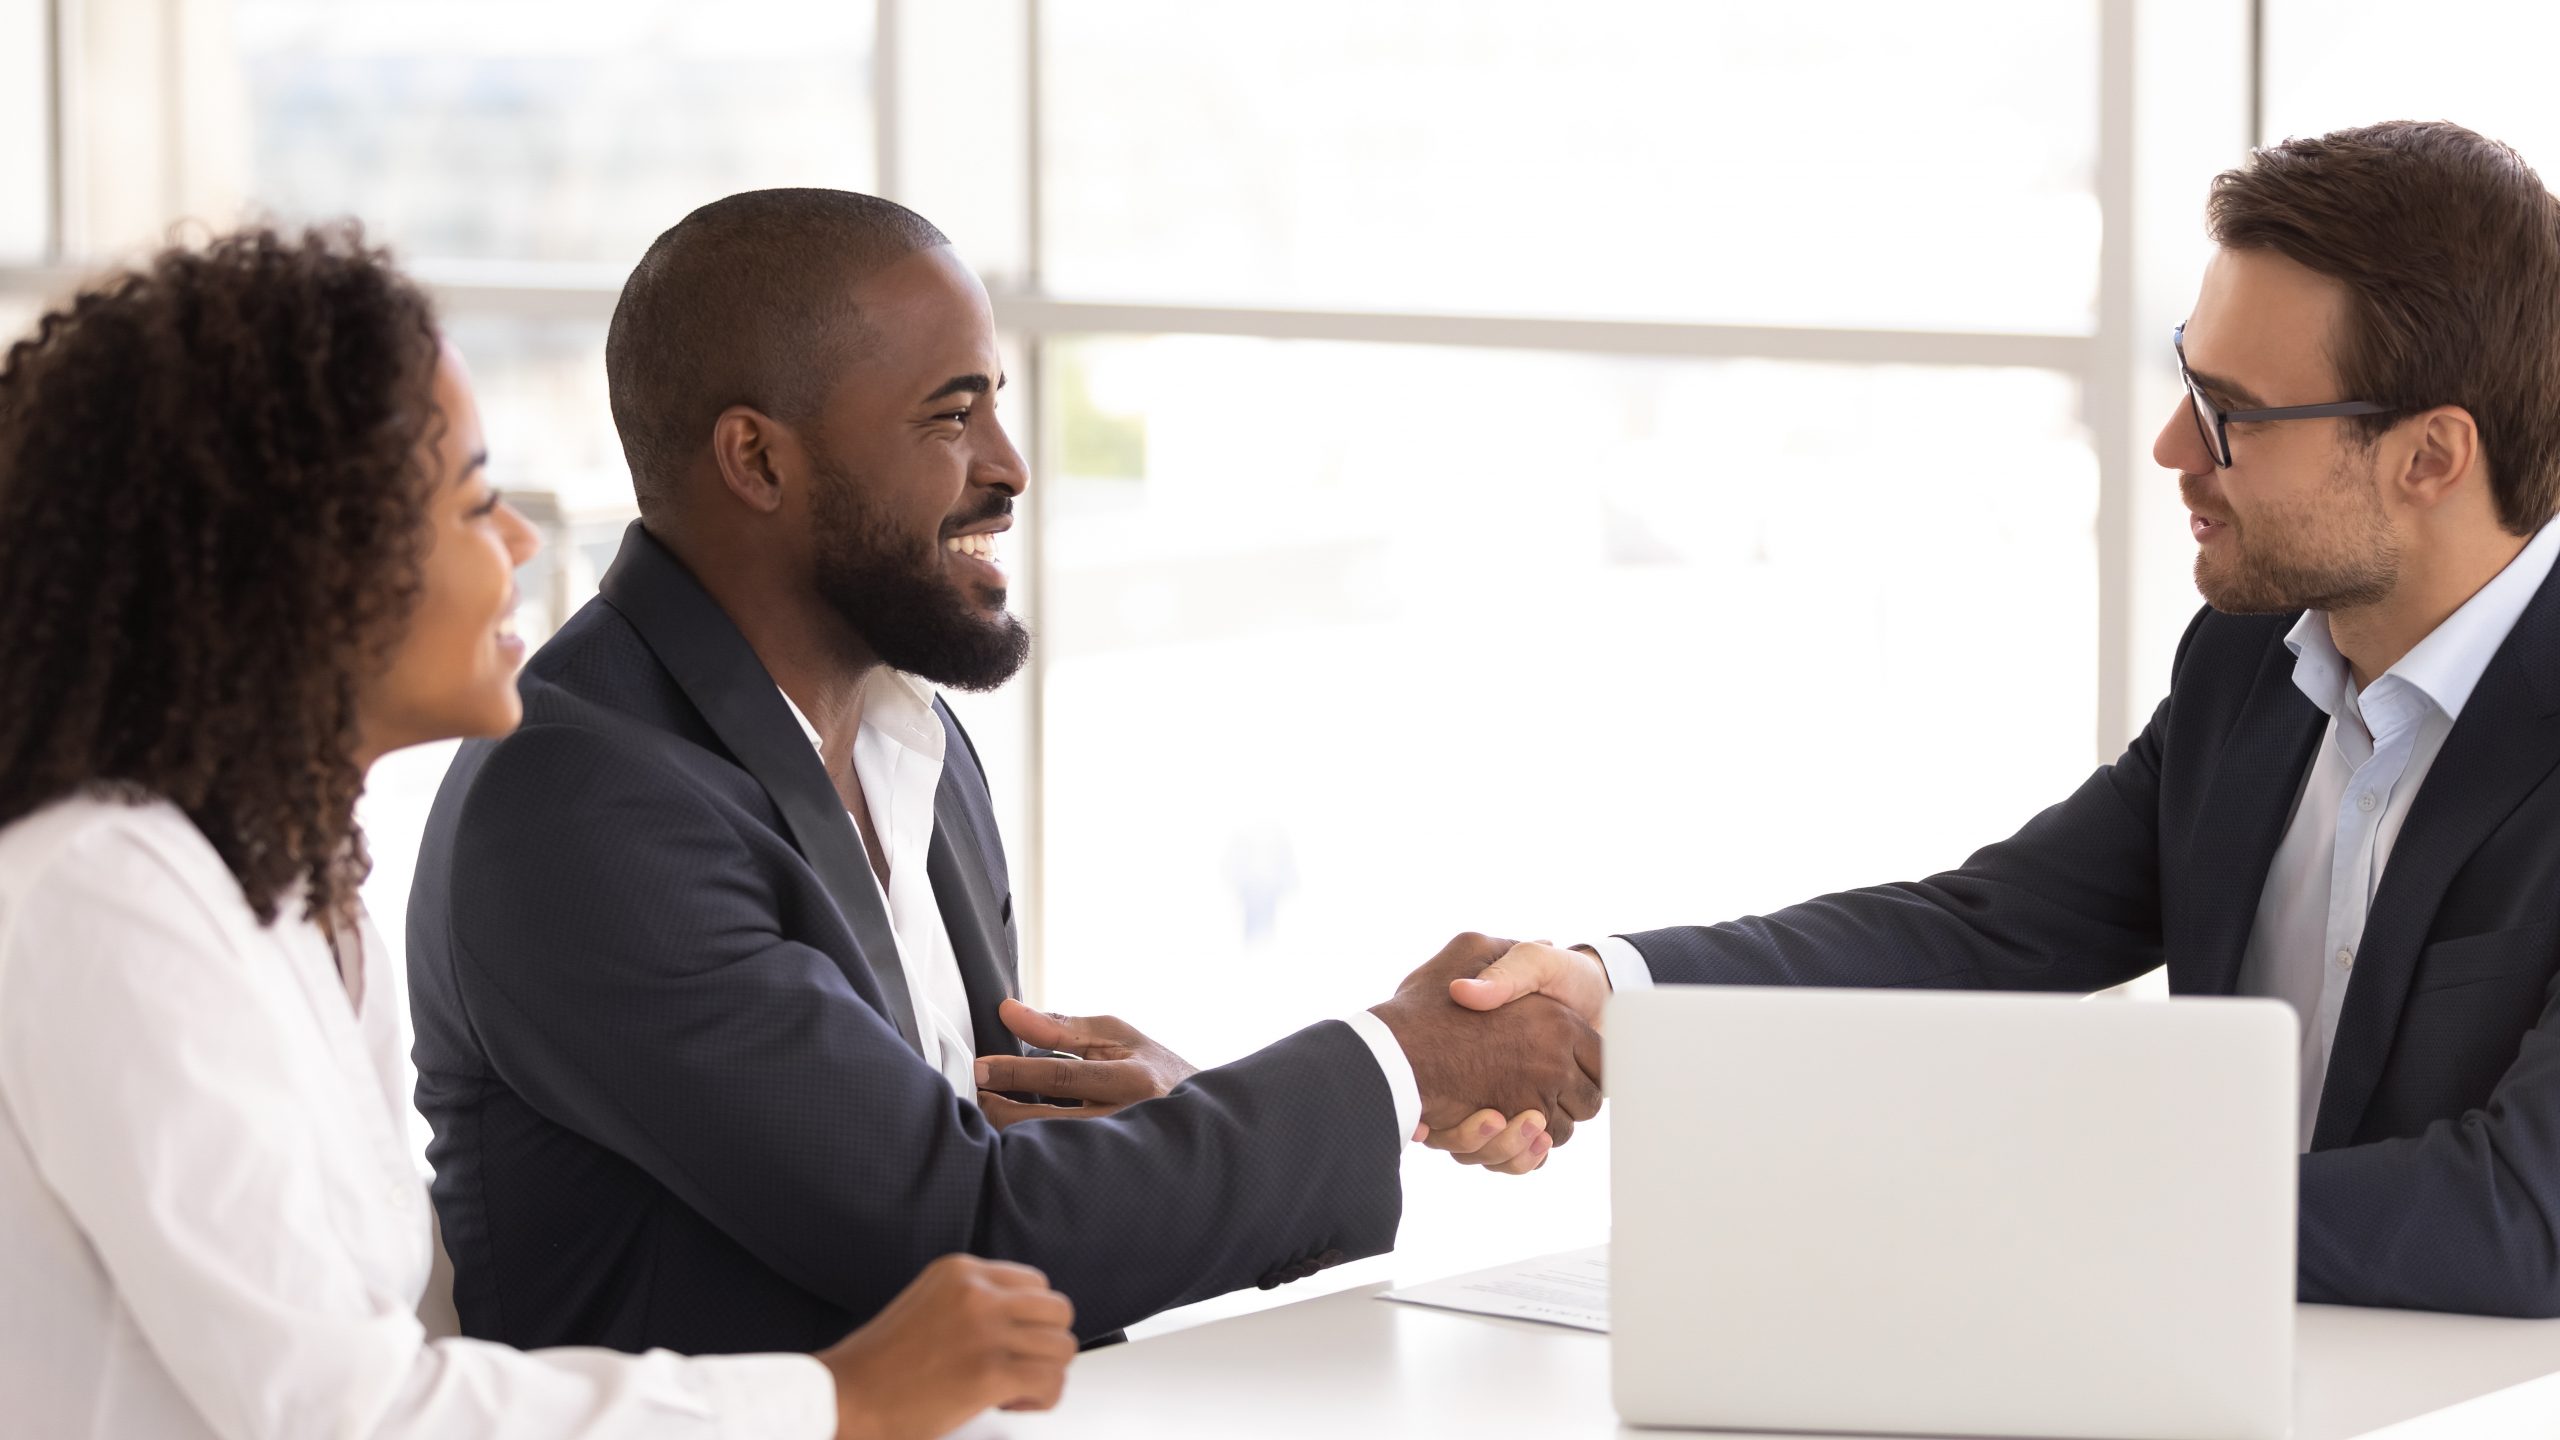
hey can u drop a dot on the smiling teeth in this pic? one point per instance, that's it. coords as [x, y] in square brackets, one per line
[507, 628]
[976, 547]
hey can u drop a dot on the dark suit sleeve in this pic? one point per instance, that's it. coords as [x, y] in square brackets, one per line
[2460, 1216]
[624, 961]
[2070, 902]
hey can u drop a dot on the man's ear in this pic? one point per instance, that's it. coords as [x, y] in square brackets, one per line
[2447, 450]
[753, 452]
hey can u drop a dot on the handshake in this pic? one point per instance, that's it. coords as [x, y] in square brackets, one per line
[1503, 1038]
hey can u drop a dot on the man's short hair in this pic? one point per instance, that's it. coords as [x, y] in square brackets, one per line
[746, 301]
[2449, 248]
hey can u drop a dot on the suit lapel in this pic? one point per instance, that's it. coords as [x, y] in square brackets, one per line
[970, 915]
[2256, 778]
[721, 675]
[2507, 740]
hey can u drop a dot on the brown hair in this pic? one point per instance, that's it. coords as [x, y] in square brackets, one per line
[2449, 248]
[211, 503]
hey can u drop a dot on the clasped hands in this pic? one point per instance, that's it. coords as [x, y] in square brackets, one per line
[1503, 1038]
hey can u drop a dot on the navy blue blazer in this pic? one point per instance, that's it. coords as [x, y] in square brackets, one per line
[669, 1057]
[2433, 1181]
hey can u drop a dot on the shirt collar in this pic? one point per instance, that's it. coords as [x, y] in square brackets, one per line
[2445, 666]
[894, 704]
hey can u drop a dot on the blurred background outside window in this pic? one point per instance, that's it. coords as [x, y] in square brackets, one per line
[1496, 465]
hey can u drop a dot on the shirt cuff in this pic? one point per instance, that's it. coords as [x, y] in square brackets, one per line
[1625, 964]
[785, 1397]
[1402, 1088]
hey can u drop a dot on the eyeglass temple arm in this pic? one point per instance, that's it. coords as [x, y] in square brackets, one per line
[2313, 412]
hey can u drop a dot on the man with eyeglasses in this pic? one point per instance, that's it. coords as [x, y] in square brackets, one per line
[2348, 800]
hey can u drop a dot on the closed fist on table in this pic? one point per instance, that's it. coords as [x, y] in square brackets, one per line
[965, 1335]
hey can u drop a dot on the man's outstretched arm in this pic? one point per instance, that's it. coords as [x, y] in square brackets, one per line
[2070, 902]
[623, 965]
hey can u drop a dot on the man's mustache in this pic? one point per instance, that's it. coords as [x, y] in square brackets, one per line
[998, 508]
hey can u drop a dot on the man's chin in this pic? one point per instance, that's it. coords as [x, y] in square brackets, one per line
[2232, 594]
[2220, 593]
[2234, 601]
[2258, 594]
[922, 624]
[985, 659]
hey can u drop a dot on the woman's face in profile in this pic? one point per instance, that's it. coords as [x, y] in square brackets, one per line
[452, 672]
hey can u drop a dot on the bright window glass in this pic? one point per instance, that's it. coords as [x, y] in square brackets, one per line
[2482, 63]
[18, 318]
[571, 130]
[1351, 647]
[543, 402]
[25, 131]
[1639, 158]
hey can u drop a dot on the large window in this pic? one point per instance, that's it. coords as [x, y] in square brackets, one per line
[571, 130]
[1661, 160]
[1350, 646]
[1611, 425]
[2481, 63]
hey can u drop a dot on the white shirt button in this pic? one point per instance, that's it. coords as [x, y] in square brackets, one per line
[2346, 959]
[2366, 802]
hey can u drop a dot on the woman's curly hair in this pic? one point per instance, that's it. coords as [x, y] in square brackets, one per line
[211, 512]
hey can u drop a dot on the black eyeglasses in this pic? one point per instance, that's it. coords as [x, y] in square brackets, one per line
[2214, 423]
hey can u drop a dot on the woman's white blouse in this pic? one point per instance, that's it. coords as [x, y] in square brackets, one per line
[212, 1217]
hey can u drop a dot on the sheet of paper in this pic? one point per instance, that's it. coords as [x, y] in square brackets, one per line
[1568, 1289]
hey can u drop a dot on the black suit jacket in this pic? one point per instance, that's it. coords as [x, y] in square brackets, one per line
[668, 1054]
[2434, 1176]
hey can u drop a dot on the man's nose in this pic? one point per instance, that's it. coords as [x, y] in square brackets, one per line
[1000, 464]
[2178, 447]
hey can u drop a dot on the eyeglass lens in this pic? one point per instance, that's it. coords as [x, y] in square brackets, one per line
[2208, 424]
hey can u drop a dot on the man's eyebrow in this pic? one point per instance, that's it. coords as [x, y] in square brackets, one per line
[2241, 396]
[965, 385]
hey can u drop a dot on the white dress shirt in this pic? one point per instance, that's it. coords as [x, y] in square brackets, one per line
[2376, 753]
[897, 755]
[212, 1217]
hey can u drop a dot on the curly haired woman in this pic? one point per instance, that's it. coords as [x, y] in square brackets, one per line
[248, 546]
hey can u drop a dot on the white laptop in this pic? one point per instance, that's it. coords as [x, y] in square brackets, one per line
[1894, 1212]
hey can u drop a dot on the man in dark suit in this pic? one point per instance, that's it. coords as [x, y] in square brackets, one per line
[2348, 800]
[711, 960]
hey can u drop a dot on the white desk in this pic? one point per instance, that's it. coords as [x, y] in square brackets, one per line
[1347, 1366]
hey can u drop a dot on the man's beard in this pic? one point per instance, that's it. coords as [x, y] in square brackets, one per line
[2339, 556]
[900, 600]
